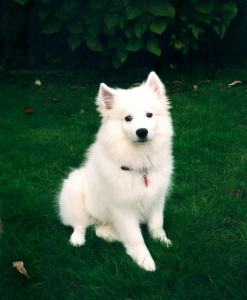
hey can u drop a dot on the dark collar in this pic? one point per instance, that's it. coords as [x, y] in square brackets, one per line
[141, 171]
[125, 168]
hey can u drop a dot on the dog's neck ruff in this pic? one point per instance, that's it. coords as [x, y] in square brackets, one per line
[143, 172]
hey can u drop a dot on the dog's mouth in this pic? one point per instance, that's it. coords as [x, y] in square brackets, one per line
[142, 141]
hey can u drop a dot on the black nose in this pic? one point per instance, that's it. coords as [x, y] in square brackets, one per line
[142, 133]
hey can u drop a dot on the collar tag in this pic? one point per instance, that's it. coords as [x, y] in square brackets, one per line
[145, 177]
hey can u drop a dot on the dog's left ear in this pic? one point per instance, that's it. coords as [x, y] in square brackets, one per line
[105, 97]
[155, 84]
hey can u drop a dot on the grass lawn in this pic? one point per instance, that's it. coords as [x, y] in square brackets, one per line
[206, 215]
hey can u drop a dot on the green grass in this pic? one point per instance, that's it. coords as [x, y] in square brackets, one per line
[206, 215]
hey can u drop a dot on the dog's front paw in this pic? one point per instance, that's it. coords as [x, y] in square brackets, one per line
[143, 258]
[77, 239]
[159, 234]
[148, 264]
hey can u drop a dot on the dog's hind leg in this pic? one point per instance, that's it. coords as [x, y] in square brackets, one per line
[106, 232]
[72, 206]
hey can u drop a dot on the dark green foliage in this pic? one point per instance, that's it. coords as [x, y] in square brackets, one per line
[116, 28]
[206, 215]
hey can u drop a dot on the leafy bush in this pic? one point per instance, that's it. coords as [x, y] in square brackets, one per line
[115, 28]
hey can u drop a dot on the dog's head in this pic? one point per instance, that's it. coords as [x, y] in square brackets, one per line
[140, 112]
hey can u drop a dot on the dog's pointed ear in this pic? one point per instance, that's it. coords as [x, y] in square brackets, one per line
[154, 82]
[106, 96]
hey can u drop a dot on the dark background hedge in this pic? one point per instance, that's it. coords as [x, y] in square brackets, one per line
[22, 45]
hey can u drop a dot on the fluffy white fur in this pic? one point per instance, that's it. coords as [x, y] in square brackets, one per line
[117, 201]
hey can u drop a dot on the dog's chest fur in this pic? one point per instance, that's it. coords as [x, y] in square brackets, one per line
[127, 185]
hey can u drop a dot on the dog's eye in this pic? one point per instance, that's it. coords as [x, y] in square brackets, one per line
[128, 118]
[149, 115]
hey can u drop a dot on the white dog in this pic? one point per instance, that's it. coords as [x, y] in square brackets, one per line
[127, 173]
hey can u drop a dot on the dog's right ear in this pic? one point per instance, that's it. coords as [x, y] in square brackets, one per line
[105, 99]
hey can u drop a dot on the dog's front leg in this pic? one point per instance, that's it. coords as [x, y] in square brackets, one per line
[155, 224]
[129, 232]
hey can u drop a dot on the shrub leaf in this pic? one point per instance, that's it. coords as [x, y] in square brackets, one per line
[153, 46]
[161, 8]
[158, 26]
[134, 45]
[140, 28]
[74, 41]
